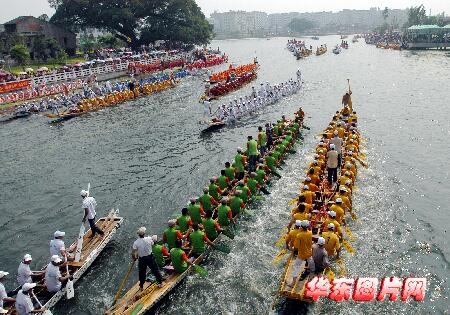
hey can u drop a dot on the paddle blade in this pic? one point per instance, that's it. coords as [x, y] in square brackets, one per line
[47, 312]
[354, 216]
[228, 233]
[79, 243]
[279, 257]
[330, 274]
[222, 248]
[137, 309]
[349, 233]
[348, 246]
[70, 292]
[200, 270]
[342, 271]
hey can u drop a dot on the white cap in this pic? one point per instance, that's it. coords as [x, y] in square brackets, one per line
[335, 132]
[56, 259]
[155, 238]
[28, 286]
[321, 241]
[306, 187]
[172, 222]
[332, 213]
[3, 311]
[83, 193]
[59, 234]
[347, 173]
[27, 257]
[141, 230]
[321, 143]
[348, 182]
[308, 179]
[305, 223]
[224, 199]
[298, 222]
[239, 149]
[320, 151]
[331, 226]
[3, 273]
[332, 146]
[343, 189]
[338, 200]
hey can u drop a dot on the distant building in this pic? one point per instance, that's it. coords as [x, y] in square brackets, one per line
[31, 27]
[2, 28]
[248, 24]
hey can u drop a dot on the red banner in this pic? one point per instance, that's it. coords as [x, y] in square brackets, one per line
[16, 85]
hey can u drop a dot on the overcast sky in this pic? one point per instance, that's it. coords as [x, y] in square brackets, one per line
[10, 9]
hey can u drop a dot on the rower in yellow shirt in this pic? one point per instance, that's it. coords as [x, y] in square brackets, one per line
[309, 195]
[332, 219]
[339, 210]
[344, 178]
[332, 244]
[300, 214]
[292, 235]
[303, 245]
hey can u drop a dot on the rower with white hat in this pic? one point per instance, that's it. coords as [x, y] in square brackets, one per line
[24, 304]
[320, 255]
[332, 245]
[303, 245]
[24, 273]
[57, 246]
[53, 277]
[3, 295]
[142, 250]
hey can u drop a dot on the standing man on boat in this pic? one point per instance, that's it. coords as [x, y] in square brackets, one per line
[262, 141]
[320, 255]
[24, 273]
[347, 100]
[332, 164]
[89, 205]
[142, 250]
[239, 162]
[337, 142]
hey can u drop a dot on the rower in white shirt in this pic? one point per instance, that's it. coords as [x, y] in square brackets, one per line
[24, 273]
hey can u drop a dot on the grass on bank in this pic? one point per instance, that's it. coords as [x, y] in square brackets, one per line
[52, 64]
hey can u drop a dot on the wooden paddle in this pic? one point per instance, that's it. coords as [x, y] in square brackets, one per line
[279, 257]
[46, 312]
[122, 284]
[70, 292]
[200, 270]
[222, 248]
[228, 233]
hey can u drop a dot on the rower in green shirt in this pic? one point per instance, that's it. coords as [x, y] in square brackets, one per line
[214, 190]
[160, 253]
[198, 239]
[239, 162]
[211, 227]
[206, 200]
[236, 203]
[252, 183]
[252, 153]
[223, 180]
[230, 171]
[195, 211]
[245, 191]
[184, 220]
[224, 214]
[179, 258]
[171, 234]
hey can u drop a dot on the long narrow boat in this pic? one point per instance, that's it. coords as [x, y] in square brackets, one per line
[297, 290]
[137, 303]
[92, 247]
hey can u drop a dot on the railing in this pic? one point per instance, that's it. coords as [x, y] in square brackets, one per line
[100, 69]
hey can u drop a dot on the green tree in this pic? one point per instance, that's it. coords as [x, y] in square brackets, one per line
[88, 43]
[137, 21]
[385, 13]
[416, 16]
[300, 25]
[110, 41]
[20, 54]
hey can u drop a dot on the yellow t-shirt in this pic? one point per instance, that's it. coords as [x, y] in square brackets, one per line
[339, 213]
[331, 242]
[303, 243]
[290, 238]
[301, 216]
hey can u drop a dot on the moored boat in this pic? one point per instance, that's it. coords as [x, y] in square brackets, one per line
[92, 247]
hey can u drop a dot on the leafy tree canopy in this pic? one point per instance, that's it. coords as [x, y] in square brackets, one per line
[20, 54]
[137, 21]
[300, 25]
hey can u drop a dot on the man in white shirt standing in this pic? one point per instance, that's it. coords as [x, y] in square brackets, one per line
[89, 205]
[142, 249]
[24, 273]
[3, 295]
[53, 277]
[24, 305]
[337, 145]
[332, 164]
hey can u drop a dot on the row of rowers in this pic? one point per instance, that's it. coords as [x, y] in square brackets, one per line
[306, 216]
[205, 217]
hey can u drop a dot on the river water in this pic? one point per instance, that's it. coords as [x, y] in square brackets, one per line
[147, 158]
